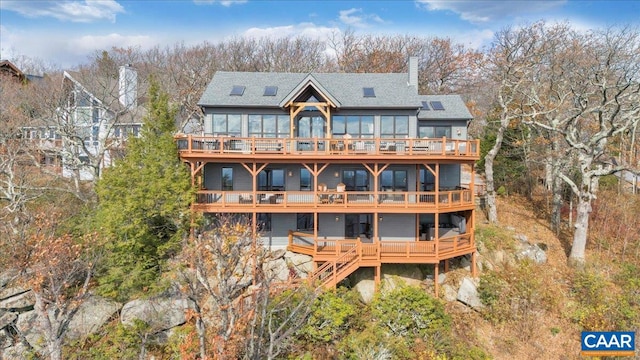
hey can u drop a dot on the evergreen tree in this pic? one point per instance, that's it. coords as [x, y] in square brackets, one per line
[143, 208]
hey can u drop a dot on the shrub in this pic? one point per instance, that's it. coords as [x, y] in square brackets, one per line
[332, 314]
[410, 313]
[518, 295]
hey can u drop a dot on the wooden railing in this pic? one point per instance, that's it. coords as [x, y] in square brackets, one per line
[333, 199]
[387, 251]
[221, 145]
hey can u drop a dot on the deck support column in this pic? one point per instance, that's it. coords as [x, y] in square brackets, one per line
[446, 265]
[435, 276]
[474, 272]
[376, 276]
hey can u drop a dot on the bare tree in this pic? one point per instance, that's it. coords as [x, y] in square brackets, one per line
[58, 269]
[601, 72]
[512, 58]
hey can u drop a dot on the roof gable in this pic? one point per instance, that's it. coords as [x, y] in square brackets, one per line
[309, 84]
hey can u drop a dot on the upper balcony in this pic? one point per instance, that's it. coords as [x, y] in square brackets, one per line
[191, 146]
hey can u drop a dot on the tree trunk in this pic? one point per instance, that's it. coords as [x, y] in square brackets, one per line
[577, 258]
[557, 202]
[492, 211]
[200, 327]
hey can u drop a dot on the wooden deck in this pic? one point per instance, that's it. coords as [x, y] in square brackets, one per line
[287, 201]
[191, 146]
[339, 258]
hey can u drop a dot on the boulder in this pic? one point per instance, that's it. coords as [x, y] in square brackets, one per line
[278, 270]
[449, 293]
[7, 276]
[277, 254]
[441, 278]
[302, 263]
[468, 293]
[161, 313]
[19, 301]
[394, 275]
[28, 326]
[532, 252]
[363, 283]
[7, 318]
[94, 312]
[522, 238]
[18, 351]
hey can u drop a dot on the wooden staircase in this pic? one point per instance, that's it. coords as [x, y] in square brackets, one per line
[329, 274]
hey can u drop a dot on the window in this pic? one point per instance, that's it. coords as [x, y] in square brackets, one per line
[271, 180]
[355, 180]
[434, 132]
[269, 126]
[305, 180]
[357, 225]
[393, 180]
[368, 92]
[305, 222]
[264, 221]
[227, 178]
[270, 90]
[427, 180]
[356, 126]
[394, 126]
[227, 124]
[237, 90]
[437, 105]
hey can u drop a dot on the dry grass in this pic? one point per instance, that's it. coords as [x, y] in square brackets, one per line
[554, 336]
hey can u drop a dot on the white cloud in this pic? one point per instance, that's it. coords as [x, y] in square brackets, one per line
[485, 11]
[76, 11]
[356, 18]
[63, 49]
[226, 3]
[90, 43]
[309, 30]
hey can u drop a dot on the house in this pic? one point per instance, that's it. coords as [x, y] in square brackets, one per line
[356, 170]
[90, 130]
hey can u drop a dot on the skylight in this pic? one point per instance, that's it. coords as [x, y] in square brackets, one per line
[237, 90]
[425, 106]
[437, 105]
[368, 92]
[270, 90]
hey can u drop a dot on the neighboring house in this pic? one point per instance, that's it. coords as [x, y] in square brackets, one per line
[91, 127]
[356, 170]
[7, 68]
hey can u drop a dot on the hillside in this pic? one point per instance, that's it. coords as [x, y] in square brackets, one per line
[540, 313]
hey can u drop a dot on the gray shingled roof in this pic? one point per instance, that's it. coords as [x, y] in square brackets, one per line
[391, 90]
[454, 108]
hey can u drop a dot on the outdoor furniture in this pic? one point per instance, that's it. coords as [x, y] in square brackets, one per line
[339, 198]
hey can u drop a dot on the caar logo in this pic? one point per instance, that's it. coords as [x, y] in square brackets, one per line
[608, 343]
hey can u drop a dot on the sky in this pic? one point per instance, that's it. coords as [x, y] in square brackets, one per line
[67, 33]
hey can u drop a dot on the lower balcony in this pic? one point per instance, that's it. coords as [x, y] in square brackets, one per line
[375, 253]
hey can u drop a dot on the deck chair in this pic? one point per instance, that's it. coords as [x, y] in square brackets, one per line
[340, 188]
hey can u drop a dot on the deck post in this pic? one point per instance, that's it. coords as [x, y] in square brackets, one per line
[435, 276]
[376, 277]
[474, 272]
[446, 265]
